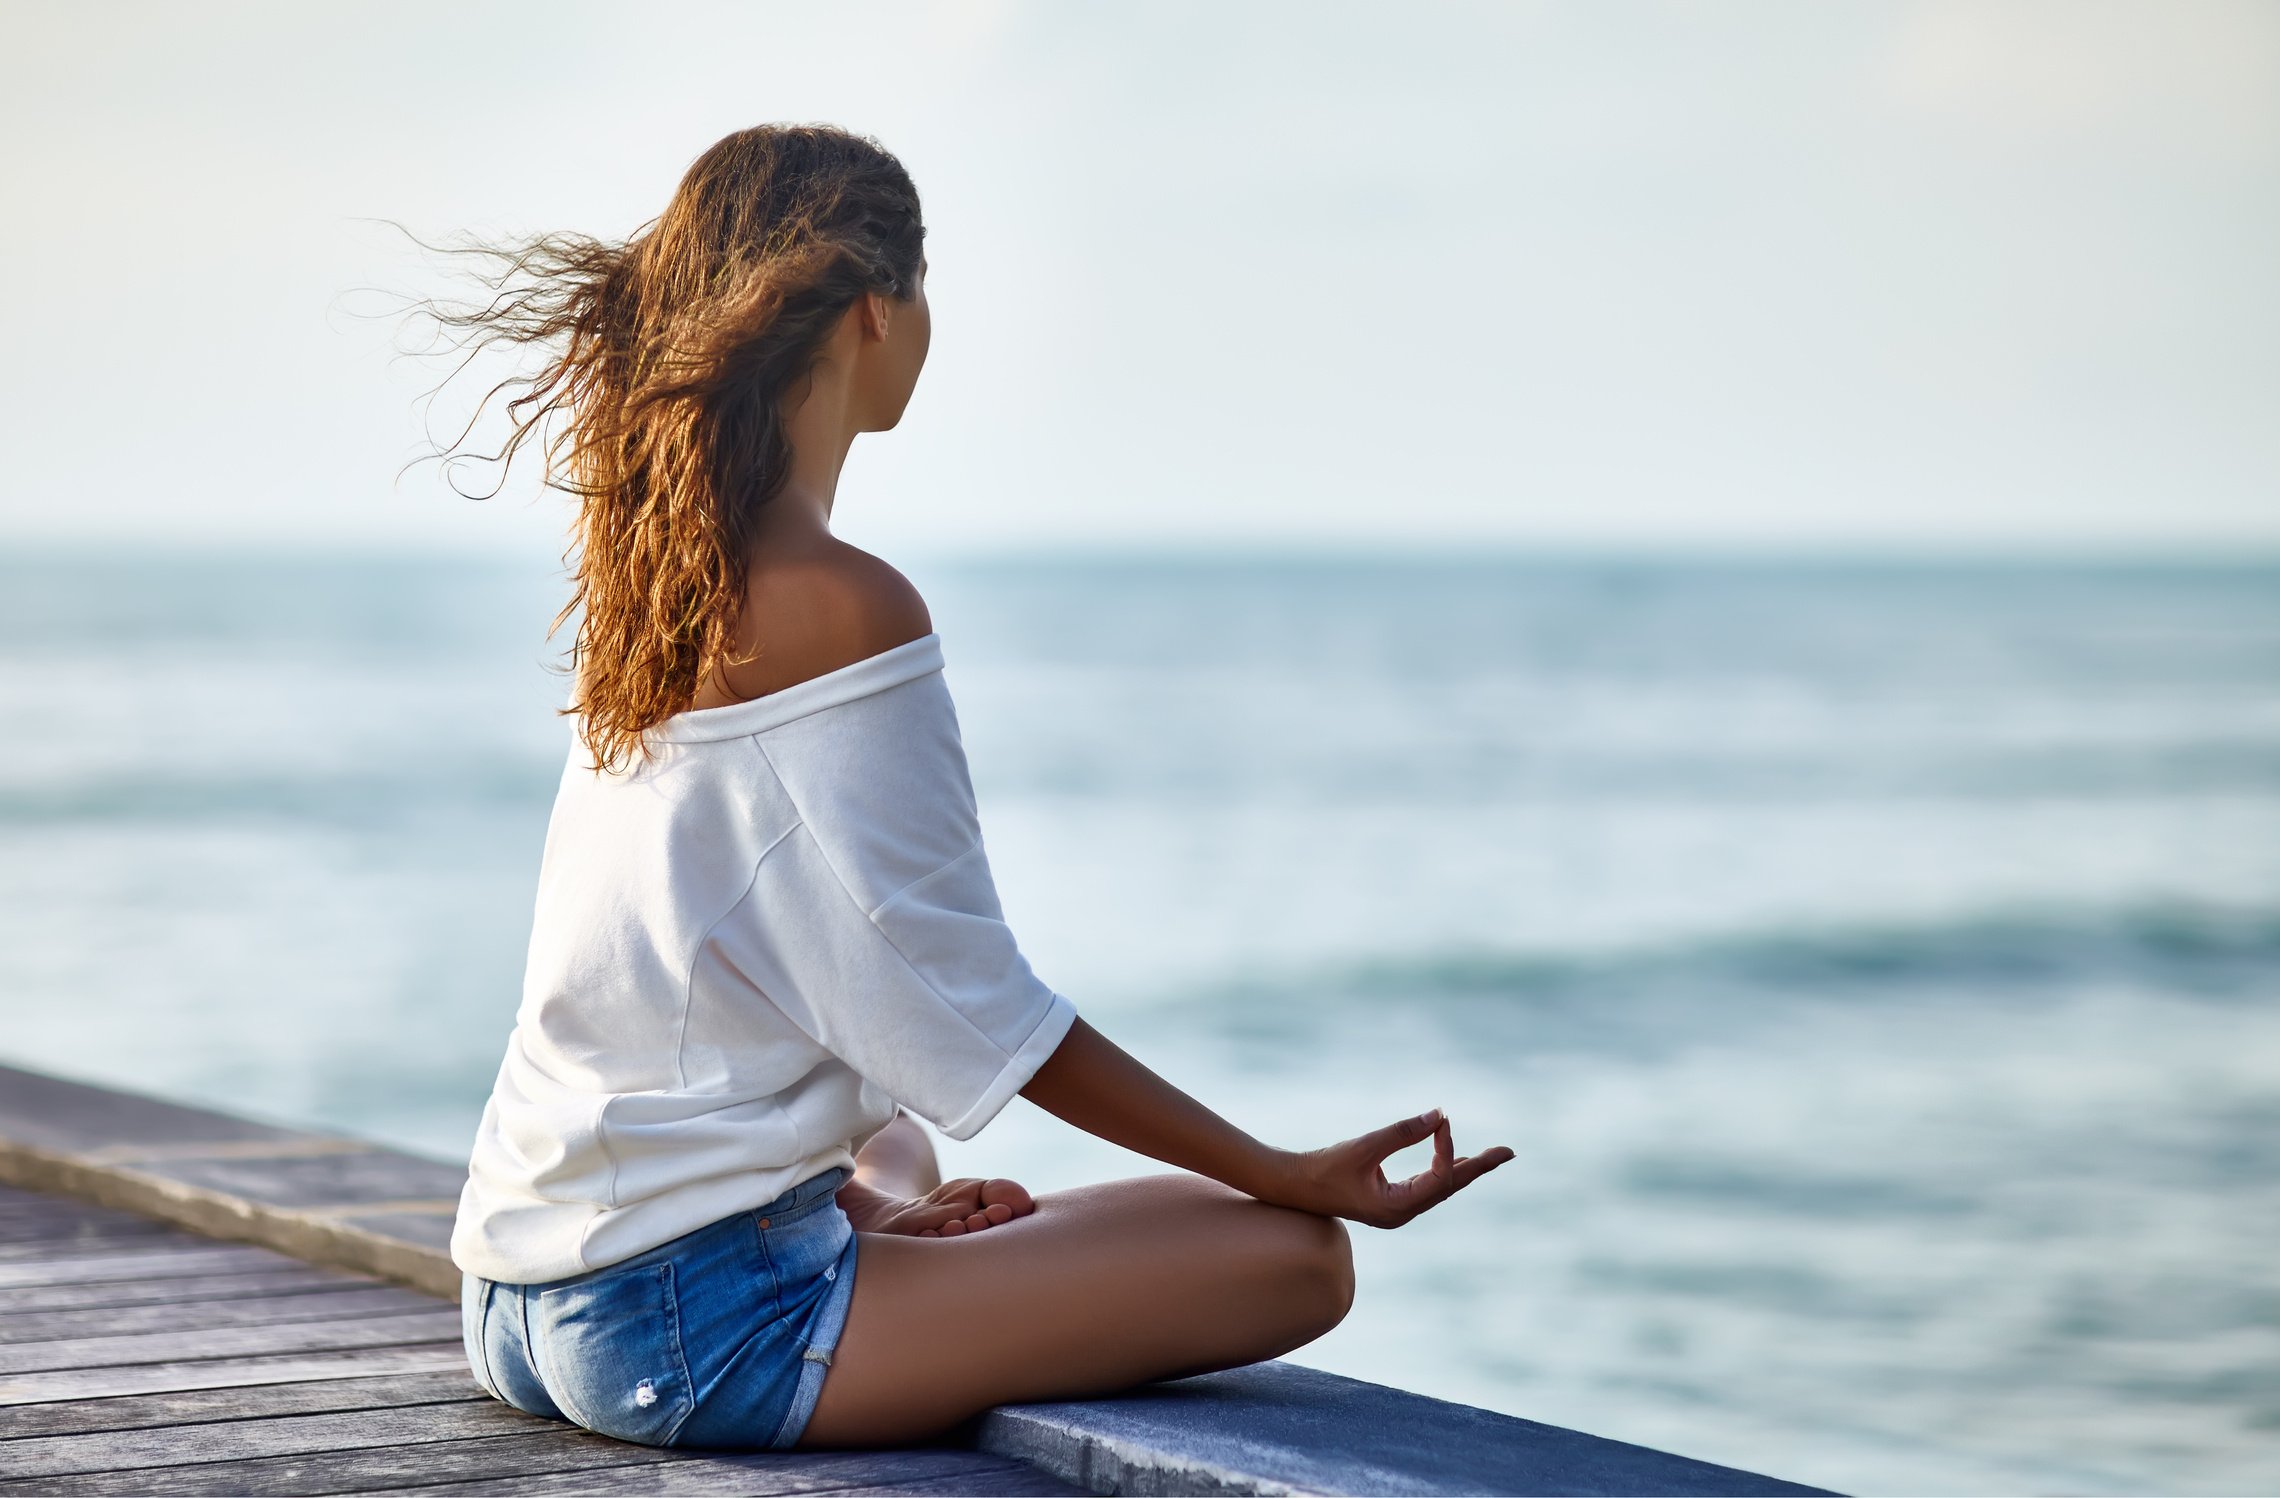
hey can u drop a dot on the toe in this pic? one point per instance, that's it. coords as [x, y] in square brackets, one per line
[1011, 1193]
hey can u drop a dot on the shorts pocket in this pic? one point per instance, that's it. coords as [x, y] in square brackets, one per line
[609, 1350]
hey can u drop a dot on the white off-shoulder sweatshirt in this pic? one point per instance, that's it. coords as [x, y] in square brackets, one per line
[747, 950]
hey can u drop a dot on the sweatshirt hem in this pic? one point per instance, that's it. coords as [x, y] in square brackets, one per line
[637, 1227]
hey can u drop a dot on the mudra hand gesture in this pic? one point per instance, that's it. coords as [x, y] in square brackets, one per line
[1348, 1180]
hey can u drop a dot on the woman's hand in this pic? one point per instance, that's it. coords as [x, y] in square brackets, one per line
[950, 1210]
[1346, 1180]
[1090, 1081]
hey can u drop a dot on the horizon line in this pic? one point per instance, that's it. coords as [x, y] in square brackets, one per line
[2218, 554]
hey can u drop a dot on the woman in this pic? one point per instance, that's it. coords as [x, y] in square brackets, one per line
[766, 933]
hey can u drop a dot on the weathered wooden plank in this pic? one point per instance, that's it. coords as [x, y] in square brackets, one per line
[339, 1179]
[789, 1472]
[15, 1203]
[257, 1402]
[64, 1250]
[259, 1310]
[320, 1198]
[400, 1239]
[229, 1341]
[563, 1450]
[1281, 1427]
[58, 1242]
[199, 1256]
[187, 1289]
[238, 1440]
[61, 1218]
[1013, 1480]
[230, 1373]
[23, 1207]
[47, 1227]
[428, 1230]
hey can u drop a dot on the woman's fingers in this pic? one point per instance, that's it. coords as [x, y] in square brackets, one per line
[1473, 1167]
[1445, 1177]
[1409, 1197]
[1379, 1143]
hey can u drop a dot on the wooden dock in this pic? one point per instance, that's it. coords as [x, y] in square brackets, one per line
[138, 1358]
[192, 1302]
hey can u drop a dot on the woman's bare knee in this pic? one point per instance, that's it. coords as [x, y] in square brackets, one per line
[1331, 1265]
[1306, 1259]
[1313, 1271]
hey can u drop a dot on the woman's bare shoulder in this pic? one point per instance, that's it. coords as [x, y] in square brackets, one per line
[815, 613]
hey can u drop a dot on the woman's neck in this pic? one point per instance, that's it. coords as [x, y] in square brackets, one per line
[820, 422]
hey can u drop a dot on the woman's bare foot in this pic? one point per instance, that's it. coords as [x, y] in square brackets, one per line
[950, 1210]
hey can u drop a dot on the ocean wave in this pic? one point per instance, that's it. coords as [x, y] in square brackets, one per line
[2197, 951]
[361, 797]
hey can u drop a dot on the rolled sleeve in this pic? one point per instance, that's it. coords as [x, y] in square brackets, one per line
[1019, 1067]
[877, 928]
[929, 996]
[950, 929]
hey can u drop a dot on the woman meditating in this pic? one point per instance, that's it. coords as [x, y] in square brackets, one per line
[701, 1210]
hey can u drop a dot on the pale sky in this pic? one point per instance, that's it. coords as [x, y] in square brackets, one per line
[1973, 276]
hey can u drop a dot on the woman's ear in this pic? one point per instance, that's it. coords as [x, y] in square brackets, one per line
[874, 316]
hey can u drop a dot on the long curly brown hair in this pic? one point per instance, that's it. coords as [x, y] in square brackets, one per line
[664, 359]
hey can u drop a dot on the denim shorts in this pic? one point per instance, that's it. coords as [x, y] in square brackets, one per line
[719, 1339]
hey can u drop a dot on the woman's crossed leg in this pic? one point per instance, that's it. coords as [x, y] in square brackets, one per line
[1098, 1288]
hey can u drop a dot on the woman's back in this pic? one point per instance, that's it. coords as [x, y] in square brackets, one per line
[749, 947]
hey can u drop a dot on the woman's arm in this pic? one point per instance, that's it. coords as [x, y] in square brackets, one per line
[1093, 1084]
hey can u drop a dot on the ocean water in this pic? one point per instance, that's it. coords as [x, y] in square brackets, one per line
[1877, 969]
